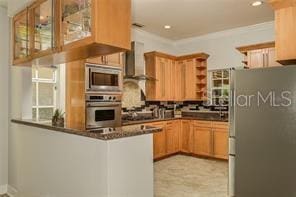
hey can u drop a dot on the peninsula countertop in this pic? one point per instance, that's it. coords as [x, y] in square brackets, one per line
[102, 134]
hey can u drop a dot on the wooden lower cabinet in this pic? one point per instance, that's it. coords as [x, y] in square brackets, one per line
[203, 138]
[202, 141]
[186, 140]
[220, 140]
[159, 140]
[173, 136]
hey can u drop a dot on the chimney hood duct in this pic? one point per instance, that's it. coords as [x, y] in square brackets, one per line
[135, 64]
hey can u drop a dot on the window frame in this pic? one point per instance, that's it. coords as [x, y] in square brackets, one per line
[37, 81]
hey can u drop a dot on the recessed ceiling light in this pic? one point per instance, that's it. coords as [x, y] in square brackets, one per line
[167, 27]
[257, 3]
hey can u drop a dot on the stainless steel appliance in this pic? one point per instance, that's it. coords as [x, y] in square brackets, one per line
[103, 79]
[103, 111]
[263, 133]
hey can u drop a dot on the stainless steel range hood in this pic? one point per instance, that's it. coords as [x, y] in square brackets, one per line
[135, 64]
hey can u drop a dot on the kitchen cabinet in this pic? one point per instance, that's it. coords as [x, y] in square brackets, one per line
[161, 68]
[285, 28]
[159, 140]
[91, 27]
[172, 137]
[190, 80]
[60, 31]
[202, 138]
[179, 83]
[21, 37]
[115, 59]
[43, 20]
[193, 137]
[186, 137]
[220, 140]
[177, 78]
[259, 55]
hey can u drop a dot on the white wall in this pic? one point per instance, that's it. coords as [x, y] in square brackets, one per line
[4, 54]
[221, 45]
[153, 42]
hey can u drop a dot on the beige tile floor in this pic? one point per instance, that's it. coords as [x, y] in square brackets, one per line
[184, 176]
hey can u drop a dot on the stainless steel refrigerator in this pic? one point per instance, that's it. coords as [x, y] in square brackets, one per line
[262, 141]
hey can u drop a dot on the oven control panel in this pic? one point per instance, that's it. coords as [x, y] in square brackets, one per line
[103, 98]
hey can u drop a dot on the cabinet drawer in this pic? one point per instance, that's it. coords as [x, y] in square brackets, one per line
[221, 125]
[201, 123]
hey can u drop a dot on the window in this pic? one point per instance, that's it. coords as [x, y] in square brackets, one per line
[220, 87]
[44, 93]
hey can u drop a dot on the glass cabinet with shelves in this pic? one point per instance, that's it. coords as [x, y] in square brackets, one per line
[21, 36]
[43, 22]
[220, 87]
[76, 20]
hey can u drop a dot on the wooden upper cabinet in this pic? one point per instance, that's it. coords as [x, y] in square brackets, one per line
[61, 31]
[44, 26]
[256, 58]
[160, 68]
[21, 37]
[115, 59]
[93, 25]
[176, 78]
[285, 28]
[179, 83]
[190, 80]
[259, 55]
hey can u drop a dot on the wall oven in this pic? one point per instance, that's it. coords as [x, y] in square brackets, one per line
[103, 111]
[103, 79]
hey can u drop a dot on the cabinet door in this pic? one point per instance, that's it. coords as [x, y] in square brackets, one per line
[160, 79]
[168, 78]
[159, 140]
[270, 58]
[172, 136]
[44, 22]
[178, 81]
[256, 58]
[115, 59]
[76, 20]
[21, 36]
[186, 138]
[202, 141]
[190, 80]
[96, 60]
[220, 141]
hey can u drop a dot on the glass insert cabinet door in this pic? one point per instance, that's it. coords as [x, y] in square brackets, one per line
[43, 26]
[76, 20]
[21, 35]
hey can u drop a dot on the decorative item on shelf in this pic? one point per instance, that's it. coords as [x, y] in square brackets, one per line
[58, 118]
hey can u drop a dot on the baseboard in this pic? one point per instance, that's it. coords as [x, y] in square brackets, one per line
[3, 189]
[11, 191]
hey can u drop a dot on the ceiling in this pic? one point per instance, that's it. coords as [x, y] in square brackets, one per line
[3, 3]
[190, 18]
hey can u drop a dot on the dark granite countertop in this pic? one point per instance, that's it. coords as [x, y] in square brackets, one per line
[173, 118]
[102, 134]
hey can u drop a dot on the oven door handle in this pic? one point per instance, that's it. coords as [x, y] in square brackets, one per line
[104, 104]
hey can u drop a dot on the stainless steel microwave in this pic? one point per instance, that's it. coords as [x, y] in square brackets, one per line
[103, 79]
